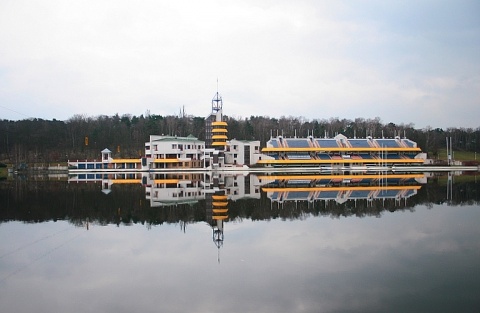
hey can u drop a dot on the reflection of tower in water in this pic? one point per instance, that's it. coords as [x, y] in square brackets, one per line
[217, 211]
[216, 199]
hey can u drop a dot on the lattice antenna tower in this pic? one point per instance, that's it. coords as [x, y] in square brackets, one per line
[217, 102]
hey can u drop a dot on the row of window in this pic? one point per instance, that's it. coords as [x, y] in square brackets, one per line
[181, 147]
[178, 146]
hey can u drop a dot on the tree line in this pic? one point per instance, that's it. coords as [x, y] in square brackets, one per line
[83, 137]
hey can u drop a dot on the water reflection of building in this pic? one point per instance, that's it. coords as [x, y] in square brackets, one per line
[173, 188]
[177, 188]
[341, 188]
[216, 206]
[218, 189]
[107, 179]
[163, 189]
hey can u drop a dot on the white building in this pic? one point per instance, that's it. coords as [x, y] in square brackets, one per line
[242, 152]
[167, 152]
[174, 152]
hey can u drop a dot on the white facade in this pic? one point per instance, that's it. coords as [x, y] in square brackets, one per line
[242, 152]
[190, 149]
[167, 147]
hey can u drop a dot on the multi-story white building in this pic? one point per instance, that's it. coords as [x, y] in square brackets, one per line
[169, 152]
[163, 152]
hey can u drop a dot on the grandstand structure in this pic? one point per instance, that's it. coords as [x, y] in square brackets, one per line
[341, 151]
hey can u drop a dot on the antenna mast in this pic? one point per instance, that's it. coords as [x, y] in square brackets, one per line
[217, 102]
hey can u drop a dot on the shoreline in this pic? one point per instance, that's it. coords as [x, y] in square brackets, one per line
[246, 170]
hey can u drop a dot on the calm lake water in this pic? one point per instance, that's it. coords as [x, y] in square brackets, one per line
[288, 245]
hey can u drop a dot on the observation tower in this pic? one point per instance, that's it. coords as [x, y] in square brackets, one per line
[216, 127]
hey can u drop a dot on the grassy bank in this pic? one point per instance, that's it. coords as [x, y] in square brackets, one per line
[457, 155]
[472, 177]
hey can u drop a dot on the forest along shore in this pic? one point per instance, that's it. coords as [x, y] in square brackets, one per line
[52, 141]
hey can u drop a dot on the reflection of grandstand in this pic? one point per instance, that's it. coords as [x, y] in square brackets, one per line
[341, 151]
[341, 188]
[341, 194]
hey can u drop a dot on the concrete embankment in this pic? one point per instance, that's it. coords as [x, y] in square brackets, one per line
[40, 169]
[49, 169]
[453, 168]
[246, 170]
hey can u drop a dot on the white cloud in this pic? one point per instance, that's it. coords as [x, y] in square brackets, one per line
[61, 58]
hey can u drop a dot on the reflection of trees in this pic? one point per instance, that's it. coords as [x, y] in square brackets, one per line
[38, 201]
[465, 191]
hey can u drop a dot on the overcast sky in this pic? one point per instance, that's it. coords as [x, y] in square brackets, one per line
[403, 61]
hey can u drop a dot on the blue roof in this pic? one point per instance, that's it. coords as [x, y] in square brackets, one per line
[409, 143]
[274, 143]
[359, 143]
[328, 143]
[388, 143]
[297, 143]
